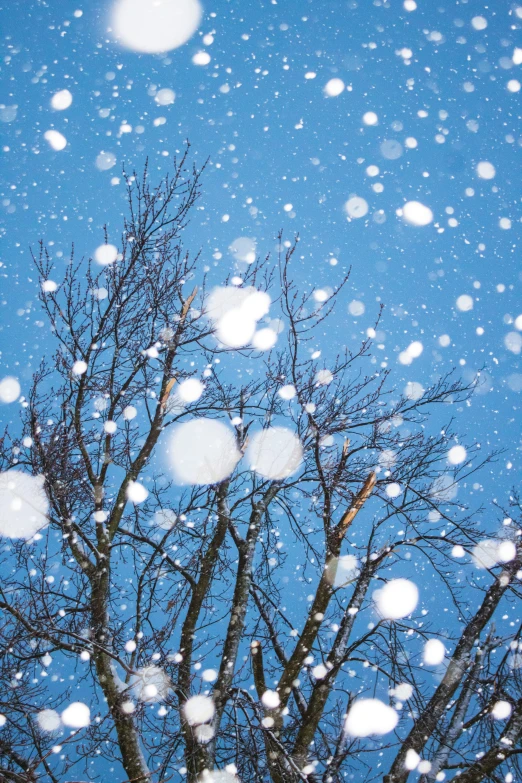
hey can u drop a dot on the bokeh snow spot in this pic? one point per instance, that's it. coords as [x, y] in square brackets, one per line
[370, 716]
[275, 453]
[23, 504]
[202, 451]
[154, 26]
[397, 599]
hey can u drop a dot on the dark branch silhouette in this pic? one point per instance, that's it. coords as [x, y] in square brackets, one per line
[264, 583]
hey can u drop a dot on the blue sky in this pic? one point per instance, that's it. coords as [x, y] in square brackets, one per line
[282, 154]
[273, 139]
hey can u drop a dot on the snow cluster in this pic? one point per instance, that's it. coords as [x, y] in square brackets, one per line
[23, 504]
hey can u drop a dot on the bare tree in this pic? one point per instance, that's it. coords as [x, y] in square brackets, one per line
[265, 584]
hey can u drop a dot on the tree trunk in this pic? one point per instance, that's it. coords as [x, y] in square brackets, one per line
[196, 755]
[322, 688]
[425, 725]
[485, 766]
[456, 724]
[128, 740]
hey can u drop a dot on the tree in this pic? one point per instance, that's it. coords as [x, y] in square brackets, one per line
[269, 568]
